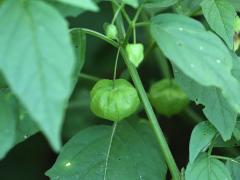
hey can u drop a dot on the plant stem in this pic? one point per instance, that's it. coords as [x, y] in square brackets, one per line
[140, 24]
[148, 108]
[88, 77]
[99, 35]
[152, 117]
[117, 12]
[123, 12]
[115, 67]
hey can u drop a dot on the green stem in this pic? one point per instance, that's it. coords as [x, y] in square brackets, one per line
[123, 12]
[88, 77]
[148, 108]
[99, 35]
[117, 12]
[152, 117]
[115, 67]
[140, 24]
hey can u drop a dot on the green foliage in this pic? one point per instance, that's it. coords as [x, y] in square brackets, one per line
[114, 100]
[201, 137]
[188, 49]
[192, 49]
[208, 168]
[217, 109]
[125, 151]
[166, 93]
[220, 15]
[39, 27]
[234, 168]
[84, 4]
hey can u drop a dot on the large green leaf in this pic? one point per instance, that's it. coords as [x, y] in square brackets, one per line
[198, 53]
[207, 168]
[201, 137]
[220, 15]
[7, 122]
[234, 168]
[37, 60]
[217, 109]
[128, 151]
[84, 4]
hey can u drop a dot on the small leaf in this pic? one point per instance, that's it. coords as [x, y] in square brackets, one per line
[207, 168]
[128, 151]
[40, 64]
[236, 132]
[7, 122]
[234, 168]
[79, 46]
[84, 4]
[188, 7]
[220, 15]
[201, 137]
[154, 6]
[219, 142]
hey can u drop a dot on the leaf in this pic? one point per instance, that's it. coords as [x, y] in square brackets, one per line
[66, 9]
[234, 168]
[219, 142]
[26, 127]
[217, 109]
[37, 61]
[154, 6]
[133, 3]
[207, 168]
[128, 151]
[201, 137]
[235, 4]
[7, 123]
[84, 4]
[79, 45]
[15, 125]
[220, 15]
[199, 54]
[188, 7]
[236, 131]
